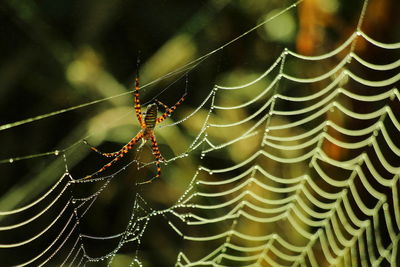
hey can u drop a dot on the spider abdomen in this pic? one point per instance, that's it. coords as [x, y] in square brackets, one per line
[151, 116]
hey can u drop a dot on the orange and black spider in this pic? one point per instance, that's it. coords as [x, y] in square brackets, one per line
[146, 133]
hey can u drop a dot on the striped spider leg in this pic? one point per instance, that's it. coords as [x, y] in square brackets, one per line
[147, 125]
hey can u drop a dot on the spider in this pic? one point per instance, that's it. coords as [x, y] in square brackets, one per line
[147, 125]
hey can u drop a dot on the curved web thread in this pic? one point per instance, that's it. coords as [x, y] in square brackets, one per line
[334, 211]
[70, 240]
[327, 216]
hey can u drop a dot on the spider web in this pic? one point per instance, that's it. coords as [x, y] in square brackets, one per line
[309, 176]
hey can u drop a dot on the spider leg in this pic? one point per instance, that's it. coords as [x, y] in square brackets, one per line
[137, 104]
[159, 158]
[105, 154]
[170, 110]
[157, 154]
[161, 104]
[120, 154]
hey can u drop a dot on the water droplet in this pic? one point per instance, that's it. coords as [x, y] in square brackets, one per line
[11, 160]
[56, 152]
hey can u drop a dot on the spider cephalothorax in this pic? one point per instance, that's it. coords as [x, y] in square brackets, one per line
[147, 125]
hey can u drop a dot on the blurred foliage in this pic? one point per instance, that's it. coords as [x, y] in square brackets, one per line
[59, 54]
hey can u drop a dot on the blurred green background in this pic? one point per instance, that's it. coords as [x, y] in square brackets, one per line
[59, 54]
